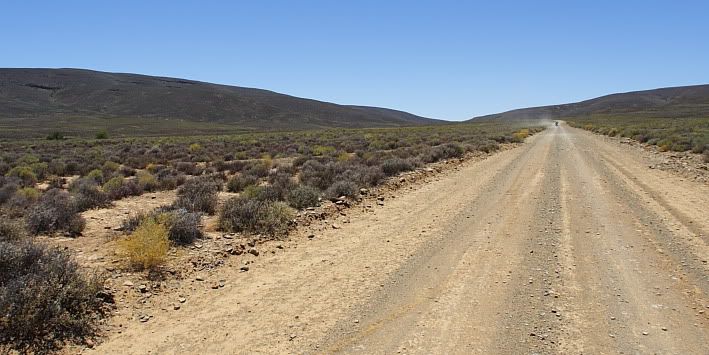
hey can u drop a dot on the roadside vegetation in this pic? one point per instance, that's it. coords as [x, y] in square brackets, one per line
[668, 134]
[45, 185]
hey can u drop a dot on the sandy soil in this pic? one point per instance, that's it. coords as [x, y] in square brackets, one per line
[567, 244]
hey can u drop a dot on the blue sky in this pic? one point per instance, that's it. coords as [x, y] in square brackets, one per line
[444, 59]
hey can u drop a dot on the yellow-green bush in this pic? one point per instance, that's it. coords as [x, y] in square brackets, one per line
[147, 246]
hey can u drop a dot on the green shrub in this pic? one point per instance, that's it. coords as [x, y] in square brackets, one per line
[248, 215]
[24, 173]
[96, 175]
[147, 181]
[303, 196]
[239, 182]
[101, 135]
[45, 299]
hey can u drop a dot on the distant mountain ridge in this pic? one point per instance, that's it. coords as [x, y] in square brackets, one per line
[70, 95]
[681, 101]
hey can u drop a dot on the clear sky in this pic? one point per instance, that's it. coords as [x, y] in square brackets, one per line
[444, 59]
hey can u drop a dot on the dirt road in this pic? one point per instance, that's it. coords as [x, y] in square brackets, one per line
[567, 244]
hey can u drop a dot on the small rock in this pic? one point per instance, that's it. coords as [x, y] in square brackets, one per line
[182, 300]
[222, 283]
[128, 284]
[311, 236]
[253, 252]
[176, 306]
[199, 278]
[336, 226]
[143, 288]
[244, 268]
[645, 333]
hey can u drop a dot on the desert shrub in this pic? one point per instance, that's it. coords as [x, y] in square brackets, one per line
[195, 148]
[239, 182]
[55, 136]
[199, 195]
[24, 174]
[396, 165]
[118, 188]
[342, 188]
[88, 195]
[259, 170]
[112, 186]
[96, 175]
[101, 135]
[44, 298]
[242, 214]
[4, 168]
[188, 168]
[147, 181]
[706, 156]
[40, 170]
[29, 193]
[10, 230]
[109, 168]
[54, 212]
[282, 183]
[303, 196]
[147, 246]
[319, 175]
[262, 193]
[57, 167]
[169, 179]
[7, 191]
[126, 171]
[183, 226]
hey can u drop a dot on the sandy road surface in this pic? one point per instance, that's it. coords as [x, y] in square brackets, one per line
[565, 245]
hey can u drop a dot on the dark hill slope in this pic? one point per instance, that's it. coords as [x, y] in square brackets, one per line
[683, 101]
[29, 96]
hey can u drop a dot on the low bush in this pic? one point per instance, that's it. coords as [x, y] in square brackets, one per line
[394, 166]
[183, 226]
[342, 188]
[24, 174]
[10, 230]
[147, 181]
[88, 195]
[7, 191]
[199, 195]
[147, 247]
[239, 182]
[54, 212]
[303, 196]
[45, 300]
[242, 214]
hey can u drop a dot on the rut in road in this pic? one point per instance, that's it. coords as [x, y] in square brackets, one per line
[567, 244]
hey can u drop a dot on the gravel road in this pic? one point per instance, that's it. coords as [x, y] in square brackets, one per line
[567, 244]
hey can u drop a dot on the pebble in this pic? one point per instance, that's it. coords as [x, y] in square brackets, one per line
[244, 268]
[182, 300]
[199, 278]
[128, 284]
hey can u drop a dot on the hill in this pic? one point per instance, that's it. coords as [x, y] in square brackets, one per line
[673, 102]
[75, 100]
